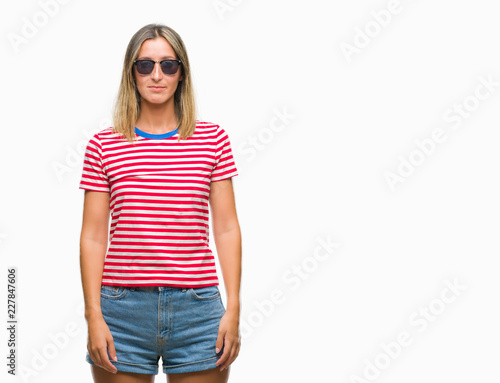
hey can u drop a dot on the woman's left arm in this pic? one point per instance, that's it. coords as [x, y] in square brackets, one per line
[227, 236]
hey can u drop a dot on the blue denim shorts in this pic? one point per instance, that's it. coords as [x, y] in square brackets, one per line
[180, 325]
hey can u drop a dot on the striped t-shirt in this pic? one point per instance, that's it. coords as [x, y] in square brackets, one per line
[159, 190]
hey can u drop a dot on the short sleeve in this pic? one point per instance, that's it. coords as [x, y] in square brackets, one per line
[224, 162]
[93, 176]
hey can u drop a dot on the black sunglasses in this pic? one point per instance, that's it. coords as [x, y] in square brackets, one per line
[169, 67]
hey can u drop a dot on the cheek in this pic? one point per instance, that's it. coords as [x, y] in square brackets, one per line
[139, 81]
[142, 86]
[175, 82]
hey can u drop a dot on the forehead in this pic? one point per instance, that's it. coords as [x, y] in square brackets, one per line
[156, 49]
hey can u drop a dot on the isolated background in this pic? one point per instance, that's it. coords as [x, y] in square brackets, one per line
[320, 178]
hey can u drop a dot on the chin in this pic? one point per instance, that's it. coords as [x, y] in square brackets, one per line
[158, 101]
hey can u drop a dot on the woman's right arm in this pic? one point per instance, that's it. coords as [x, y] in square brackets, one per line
[93, 247]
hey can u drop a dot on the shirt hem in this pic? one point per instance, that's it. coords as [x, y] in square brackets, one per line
[158, 284]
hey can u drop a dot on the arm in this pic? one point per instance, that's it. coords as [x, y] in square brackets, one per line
[93, 247]
[227, 237]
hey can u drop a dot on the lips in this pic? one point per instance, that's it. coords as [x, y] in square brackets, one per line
[156, 87]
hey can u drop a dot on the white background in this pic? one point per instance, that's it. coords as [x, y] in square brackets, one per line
[320, 177]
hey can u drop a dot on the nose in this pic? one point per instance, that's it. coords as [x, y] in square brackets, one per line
[157, 72]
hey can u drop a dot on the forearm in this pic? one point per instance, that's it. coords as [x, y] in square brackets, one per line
[92, 254]
[229, 251]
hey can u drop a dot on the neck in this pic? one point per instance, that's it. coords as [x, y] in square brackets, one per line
[157, 118]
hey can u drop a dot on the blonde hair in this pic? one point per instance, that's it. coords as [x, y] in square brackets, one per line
[128, 102]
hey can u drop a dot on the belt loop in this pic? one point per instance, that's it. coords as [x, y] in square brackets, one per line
[184, 290]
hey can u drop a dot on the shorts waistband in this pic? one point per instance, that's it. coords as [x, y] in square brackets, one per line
[151, 288]
[156, 288]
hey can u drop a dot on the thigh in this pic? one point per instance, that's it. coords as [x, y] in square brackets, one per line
[131, 316]
[100, 375]
[213, 375]
[195, 315]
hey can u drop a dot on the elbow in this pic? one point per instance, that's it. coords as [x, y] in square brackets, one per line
[230, 228]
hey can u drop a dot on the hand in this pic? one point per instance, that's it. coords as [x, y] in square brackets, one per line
[229, 337]
[99, 340]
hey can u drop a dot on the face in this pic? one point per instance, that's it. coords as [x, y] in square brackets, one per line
[157, 49]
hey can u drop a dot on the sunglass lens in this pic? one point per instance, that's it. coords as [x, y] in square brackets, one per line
[169, 67]
[145, 67]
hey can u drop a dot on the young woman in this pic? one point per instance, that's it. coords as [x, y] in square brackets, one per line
[148, 183]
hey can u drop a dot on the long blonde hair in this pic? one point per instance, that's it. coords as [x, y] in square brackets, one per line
[128, 102]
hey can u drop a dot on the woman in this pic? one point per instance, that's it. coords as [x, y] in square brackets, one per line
[154, 292]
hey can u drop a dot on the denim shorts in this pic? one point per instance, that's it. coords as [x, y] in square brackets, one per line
[180, 325]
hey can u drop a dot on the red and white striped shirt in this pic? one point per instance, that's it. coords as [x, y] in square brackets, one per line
[159, 190]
